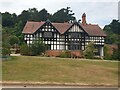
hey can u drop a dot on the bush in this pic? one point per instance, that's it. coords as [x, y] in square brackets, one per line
[107, 54]
[116, 55]
[65, 54]
[13, 40]
[89, 51]
[36, 48]
[5, 49]
[24, 49]
[5, 52]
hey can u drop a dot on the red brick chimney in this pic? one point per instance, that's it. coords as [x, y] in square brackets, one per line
[84, 19]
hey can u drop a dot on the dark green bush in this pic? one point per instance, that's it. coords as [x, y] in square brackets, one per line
[116, 55]
[24, 49]
[5, 52]
[5, 48]
[13, 40]
[36, 48]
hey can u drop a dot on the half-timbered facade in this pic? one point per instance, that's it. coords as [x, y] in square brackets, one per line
[65, 36]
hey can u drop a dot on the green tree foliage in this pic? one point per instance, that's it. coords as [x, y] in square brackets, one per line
[13, 40]
[5, 43]
[89, 51]
[5, 52]
[107, 54]
[113, 36]
[110, 54]
[24, 17]
[24, 49]
[8, 20]
[116, 54]
[44, 15]
[36, 48]
[113, 33]
[33, 14]
[5, 48]
[63, 15]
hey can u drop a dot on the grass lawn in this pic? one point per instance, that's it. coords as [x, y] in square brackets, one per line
[46, 69]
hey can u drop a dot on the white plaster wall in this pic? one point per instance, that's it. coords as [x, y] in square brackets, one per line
[57, 47]
[54, 47]
[66, 47]
[51, 47]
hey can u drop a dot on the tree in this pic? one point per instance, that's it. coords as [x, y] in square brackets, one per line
[44, 15]
[13, 40]
[89, 51]
[112, 31]
[5, 43]
[113, 36]
[33, 14]
[63, 15]
[8, 20]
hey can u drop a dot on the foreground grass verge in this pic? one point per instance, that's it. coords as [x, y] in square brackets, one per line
[41, 69]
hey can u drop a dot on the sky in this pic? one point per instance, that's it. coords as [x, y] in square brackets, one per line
[99, 12]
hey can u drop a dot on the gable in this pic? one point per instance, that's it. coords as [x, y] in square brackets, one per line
[47, 26]
[75, 28]
[32, 27]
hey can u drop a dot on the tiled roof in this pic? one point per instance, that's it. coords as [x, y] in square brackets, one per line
[92, 30]
[62, 27]
[32, 27]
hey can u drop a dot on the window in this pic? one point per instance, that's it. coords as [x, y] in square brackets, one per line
[74, 47]
[47, 35]
[75, 35]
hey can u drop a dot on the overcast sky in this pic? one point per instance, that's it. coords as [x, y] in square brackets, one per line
[98, 11]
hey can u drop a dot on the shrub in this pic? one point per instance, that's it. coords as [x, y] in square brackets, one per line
[5, 52]
[107, 54]
[13, 40]
[116, 54]
[36, 48]
[65, 54]
[5, 48]
[24, 49]
[89, 51]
